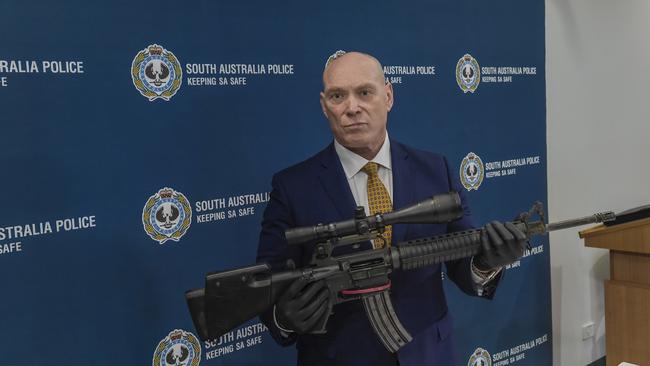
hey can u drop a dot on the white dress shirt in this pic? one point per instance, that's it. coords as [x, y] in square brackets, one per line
[358, 180]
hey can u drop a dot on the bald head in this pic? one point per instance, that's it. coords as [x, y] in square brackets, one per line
[341, 60]
[356, 101]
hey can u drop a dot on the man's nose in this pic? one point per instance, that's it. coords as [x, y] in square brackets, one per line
[353, 106]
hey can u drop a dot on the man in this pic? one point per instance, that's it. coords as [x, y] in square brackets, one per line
[363, 167]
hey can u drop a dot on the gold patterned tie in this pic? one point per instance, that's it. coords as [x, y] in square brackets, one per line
[378, 200]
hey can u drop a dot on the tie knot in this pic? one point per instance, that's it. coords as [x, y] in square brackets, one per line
[370, 169]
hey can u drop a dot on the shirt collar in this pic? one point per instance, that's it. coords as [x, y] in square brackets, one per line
[352, 163]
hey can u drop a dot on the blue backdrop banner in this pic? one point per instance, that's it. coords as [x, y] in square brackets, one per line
[139, 140]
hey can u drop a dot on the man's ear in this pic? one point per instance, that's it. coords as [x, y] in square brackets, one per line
[322, 103]
[389, 96]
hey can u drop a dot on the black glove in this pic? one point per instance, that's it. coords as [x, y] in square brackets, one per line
[302, 305]
[500, 245]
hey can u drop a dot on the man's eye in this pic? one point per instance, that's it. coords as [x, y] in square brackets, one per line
[365, 92]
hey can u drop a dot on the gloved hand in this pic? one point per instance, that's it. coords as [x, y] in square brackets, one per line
[302, 305]
[500, 245]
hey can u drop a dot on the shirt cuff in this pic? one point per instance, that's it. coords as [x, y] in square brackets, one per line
[283, 332]
[482, 278]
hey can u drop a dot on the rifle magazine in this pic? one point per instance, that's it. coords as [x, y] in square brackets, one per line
[385, 323]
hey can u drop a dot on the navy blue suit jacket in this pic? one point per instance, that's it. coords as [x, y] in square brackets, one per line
[317, 191]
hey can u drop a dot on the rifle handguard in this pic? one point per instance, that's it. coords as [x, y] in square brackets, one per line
[428, 251]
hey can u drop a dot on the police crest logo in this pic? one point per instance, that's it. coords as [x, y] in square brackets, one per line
[167, 215]
[468, 73]
[156, 73]
[472, 171]
[179, 348]
[480, 357]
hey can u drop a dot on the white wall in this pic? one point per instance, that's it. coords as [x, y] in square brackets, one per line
[598, 116]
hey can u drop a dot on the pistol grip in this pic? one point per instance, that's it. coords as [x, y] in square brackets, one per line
[321, 326]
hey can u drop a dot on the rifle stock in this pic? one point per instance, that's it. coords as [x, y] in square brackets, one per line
[233, 297]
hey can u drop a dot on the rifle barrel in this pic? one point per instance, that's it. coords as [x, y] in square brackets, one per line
[593, 219]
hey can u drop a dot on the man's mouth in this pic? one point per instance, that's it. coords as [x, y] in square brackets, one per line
[355, 125]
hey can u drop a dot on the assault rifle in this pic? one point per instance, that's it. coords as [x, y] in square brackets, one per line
[232, 297]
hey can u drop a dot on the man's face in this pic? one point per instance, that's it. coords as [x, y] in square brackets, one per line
[356, 101]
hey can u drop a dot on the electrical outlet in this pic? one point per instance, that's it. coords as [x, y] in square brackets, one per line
[587, 330]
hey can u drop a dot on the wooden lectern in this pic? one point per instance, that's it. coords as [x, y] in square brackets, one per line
[627, 292]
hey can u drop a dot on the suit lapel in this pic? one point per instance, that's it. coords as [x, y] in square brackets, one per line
[403, 185]
[333, 180]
